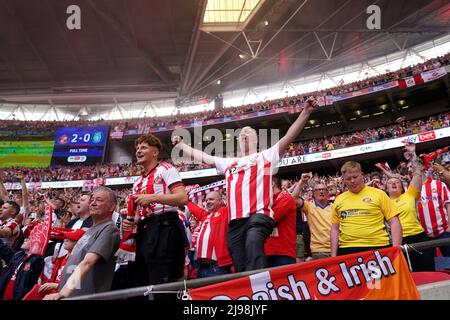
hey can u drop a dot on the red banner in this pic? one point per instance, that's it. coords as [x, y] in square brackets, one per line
[40, 235]
[371, 275]
[410, 81]
[117, 132]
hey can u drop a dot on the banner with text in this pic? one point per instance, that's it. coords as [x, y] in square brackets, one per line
[40, 235]
[372, 275]
[366, 148]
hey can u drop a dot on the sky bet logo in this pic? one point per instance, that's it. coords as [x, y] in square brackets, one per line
[411, 139]
[427, 136]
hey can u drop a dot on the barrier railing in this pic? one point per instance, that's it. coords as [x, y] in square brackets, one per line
[181, 287]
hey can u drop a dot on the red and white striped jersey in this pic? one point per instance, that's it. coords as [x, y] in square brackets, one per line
[12, 225]
[161, 180]
[195, 234]
[205, 245]
[249, 182]
[431, 207]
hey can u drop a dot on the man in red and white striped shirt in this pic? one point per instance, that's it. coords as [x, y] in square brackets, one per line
[212, 252]
[434, 211]
[160, 238]
[249, 190]
[9, 227]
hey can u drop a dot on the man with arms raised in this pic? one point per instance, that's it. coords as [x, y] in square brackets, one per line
[319, 216]
[212, 252]
[249, 190]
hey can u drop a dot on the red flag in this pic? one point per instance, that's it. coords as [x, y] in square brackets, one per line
[34, 293]
[428, 159]
[40, 235]
[127, 246]
[384, 165]
[410, 81]
[418, 79]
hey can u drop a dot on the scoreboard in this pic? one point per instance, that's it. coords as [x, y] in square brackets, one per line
[80, 145]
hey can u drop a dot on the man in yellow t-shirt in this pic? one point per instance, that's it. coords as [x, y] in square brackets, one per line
[319, 219]
[359, 214]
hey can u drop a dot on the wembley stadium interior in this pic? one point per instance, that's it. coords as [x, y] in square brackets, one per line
[97, 74]
[137, 59]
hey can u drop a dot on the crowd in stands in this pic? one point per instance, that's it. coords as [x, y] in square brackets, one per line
[113, 170]
[369, 135]
[146, 235]
[135, 123]
[311, 195]
[70, 195]
[66, 173]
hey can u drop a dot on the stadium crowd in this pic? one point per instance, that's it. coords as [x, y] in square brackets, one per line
[112, 170]
[306, 211]
[43, 127]
[160, 230]
[369, 135]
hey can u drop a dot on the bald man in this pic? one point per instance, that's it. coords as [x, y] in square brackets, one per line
[249, 189]
[212, 252]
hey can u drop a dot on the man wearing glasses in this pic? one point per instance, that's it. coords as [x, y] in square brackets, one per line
[319, 217]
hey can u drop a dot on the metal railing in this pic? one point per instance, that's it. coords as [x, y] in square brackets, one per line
[182, 286]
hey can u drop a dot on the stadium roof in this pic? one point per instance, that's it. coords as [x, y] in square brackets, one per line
[145, 50]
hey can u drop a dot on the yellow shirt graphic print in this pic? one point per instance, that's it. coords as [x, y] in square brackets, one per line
[361, 218]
